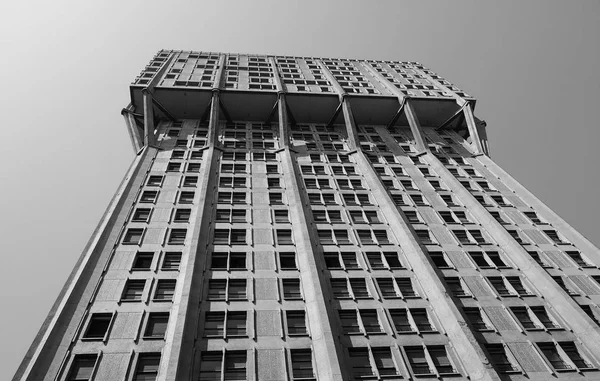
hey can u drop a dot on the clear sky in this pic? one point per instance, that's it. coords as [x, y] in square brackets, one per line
[66, 67]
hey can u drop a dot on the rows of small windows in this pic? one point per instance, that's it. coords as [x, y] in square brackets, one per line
[350, 77]
[548, 357]
[409, 81]
[245, 289]
[489, 286]
[302, 75]
[231, 324]
[355, 288]
[144, 290]
[528, 318]
[371, 321]
[98, 326]
[234, 260]
[434, 360]
[192, 69]
[482, 259]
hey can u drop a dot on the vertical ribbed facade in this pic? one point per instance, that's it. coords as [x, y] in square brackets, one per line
[300, 218]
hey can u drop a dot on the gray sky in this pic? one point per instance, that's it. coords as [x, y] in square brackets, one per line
[66, 67]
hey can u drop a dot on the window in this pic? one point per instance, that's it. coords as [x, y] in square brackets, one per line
[501, 201]
[542, 315]
[275, 198]
[517, 285]
[231, 215]
[567, 287]
[229, 236]
[214, 324]
[475, 317]
[359, 288]
[284, 237]
[563, 355]
[236, 324]
[142, 261]
[154, 181]
[418, 199]
[273, 182]
[418, 360]
[361, 365]
[412, 216]
[457, 288]
[554, 237]
[448, 200]
[579, 259]
[186, 197]
[156, 326]
[227, 289]
[133, 236]
[228, 261]
[193, 167]
[171, 261]
[134, 289]
[424, 236]
[182, 215]
[173, 167]
[217, 365]
[281, 216]
[287, 261]
[385, 260]
[533, 217]
[525, 319]
[98, 326]
[165, 290]
[439, 260]
[396, 288]
[177, 236]
[232, 182]
[296, 323]
[82, 368]
[235, 198]
[291, 289]
[190, 181]
[302, 367]
[501, 286]
[141, 215]
[500, 358]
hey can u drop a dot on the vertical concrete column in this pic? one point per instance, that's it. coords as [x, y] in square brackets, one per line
[326, 350]
[468, 349]
[580, 323]
[148, 118]
[183, 337]
[132, 128]
[405, 104]
[547, 214]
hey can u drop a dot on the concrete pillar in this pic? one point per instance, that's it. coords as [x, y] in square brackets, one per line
[326, 350]
[473, 131]
[132, 129]
[579, 322]
[184, 335]
[468, 349]
[148, 118]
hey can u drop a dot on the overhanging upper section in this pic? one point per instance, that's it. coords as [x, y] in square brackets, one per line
[182, 82]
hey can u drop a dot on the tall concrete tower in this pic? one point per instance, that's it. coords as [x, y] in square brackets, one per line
[301, 218]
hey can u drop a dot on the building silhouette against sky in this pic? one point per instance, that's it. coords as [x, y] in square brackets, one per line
[308, 218]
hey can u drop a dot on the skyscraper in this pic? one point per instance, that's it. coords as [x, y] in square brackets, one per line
[292, 218]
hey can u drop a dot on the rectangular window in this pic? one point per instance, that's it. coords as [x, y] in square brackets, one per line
[82, 368]
[296, 323]
[141, 215]
[177, 236]
[284, 237]
[142, 261]
[553, 356]
[171, 261]
[147, 367]
[401, 321]
[133, 236]
[98, 326]
[291, 289]
[186, 197]
[500, 358]
[476, 319]
[417, 360]
[302, 367]
[359, 288]
[361, 365]
[236, 324]
[165, 290]
[156, 326]
[182, 215]
[370, 321]
[155, 181]
[190, 181]
[214, 324]
[287, 261]
[134, 289]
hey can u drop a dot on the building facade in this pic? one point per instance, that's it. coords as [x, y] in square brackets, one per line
[292, 218]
